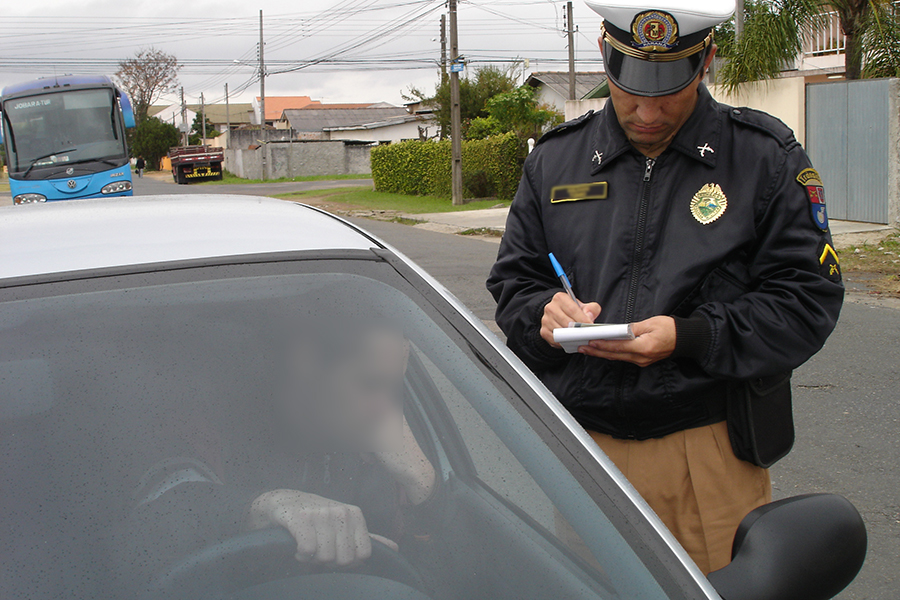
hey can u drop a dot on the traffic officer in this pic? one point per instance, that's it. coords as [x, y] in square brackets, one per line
[702, 225]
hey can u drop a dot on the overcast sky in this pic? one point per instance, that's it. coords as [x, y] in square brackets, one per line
[331, 50]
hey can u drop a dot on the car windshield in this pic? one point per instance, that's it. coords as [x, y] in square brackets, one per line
[144, 416]
[53, 130]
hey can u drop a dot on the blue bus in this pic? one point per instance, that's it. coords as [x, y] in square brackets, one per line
[65, 138]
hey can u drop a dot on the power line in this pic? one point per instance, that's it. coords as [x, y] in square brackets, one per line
[364, 35]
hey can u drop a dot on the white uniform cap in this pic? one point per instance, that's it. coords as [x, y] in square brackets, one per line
[656, 48]
[692, 16]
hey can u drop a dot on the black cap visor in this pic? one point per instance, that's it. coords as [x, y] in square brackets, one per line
[648, 78]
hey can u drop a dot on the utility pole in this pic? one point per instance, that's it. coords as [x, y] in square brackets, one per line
[184, 130]
[203, 117]
[570, 30]
[443, 47]
[456, 185]
[262, 94]
[738, 20]
[227, 119]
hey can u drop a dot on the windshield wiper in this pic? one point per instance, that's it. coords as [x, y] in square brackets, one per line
[34, 162]
[102, 160]
[12, 135]
[112, 118]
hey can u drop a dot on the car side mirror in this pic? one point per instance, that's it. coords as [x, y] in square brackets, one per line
[808, 547]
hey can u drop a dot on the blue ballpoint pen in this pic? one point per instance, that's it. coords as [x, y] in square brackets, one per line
[563, 279]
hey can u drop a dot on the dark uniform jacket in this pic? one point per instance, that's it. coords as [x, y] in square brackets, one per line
[755, 288]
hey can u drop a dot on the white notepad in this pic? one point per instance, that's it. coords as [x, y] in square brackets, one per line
[579, 334]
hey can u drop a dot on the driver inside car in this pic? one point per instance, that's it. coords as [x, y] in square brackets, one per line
[327, 454]
[356, 407]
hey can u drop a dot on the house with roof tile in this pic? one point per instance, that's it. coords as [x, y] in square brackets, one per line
[378, 123]
[276, 105]
[552, 87]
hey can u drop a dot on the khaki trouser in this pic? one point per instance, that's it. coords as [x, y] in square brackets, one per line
[696, 485]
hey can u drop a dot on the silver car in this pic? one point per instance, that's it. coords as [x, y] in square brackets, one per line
[234, 397]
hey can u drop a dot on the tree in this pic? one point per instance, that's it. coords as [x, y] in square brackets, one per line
[146, 77]
[152, 140]
[196, 135]
[774, 31]
[881, 41]
[516, 111]
[474, 92]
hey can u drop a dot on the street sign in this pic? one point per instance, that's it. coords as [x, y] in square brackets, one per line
[457, 67]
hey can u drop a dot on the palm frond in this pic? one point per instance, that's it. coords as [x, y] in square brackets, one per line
[881, 41]
[774, 31]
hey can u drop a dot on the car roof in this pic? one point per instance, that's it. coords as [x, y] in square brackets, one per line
[76, 235]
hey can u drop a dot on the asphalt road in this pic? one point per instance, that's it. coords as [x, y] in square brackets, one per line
[846, 401]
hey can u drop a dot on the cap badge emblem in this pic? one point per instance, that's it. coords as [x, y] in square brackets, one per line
[654, 31]
[709, 203]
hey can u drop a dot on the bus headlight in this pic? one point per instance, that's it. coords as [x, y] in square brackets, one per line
[29, 198]
[116, 187]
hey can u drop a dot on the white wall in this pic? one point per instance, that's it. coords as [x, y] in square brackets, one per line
[576, 108]
[545, 95]
[783, 98]
[391, 133]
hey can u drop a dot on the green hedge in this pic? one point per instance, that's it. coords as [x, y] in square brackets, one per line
[491, 167]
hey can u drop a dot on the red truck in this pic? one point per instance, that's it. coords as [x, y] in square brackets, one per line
[196, 163]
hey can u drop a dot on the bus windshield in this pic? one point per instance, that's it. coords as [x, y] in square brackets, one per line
[48, 131]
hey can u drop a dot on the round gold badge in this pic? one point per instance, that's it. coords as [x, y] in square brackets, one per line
[654, 31]
[709, 203]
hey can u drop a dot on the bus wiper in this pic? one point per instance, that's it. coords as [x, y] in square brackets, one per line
[112, 118]
[12, 135]
[35, 161]
[107, 161]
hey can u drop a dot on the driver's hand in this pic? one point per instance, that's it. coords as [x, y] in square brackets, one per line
[327, 532]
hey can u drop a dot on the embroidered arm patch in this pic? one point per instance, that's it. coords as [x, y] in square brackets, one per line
[829, 263]
[809, 178]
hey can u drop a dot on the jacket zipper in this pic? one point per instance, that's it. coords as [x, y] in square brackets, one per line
[638, 254]
[636, 260]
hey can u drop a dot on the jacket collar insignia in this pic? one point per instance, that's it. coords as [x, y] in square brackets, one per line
[609, 140]
[698, 138]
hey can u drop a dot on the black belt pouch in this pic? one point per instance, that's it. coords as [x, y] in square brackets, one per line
[760, 419]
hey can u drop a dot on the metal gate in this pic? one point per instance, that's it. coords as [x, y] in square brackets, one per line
[848, 127]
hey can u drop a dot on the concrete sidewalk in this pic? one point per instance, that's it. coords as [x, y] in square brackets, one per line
[494, 219]
[491, 219]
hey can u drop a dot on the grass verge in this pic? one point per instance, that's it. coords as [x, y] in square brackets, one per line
[230, 178]
[482, 231]
[365, 198]
[880, 260]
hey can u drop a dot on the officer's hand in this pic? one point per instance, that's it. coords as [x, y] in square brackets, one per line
[654, 340]
[561, 311]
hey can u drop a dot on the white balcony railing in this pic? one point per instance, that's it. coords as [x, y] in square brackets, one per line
[829, 39]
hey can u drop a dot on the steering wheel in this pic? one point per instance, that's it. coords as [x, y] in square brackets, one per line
[257, 556]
